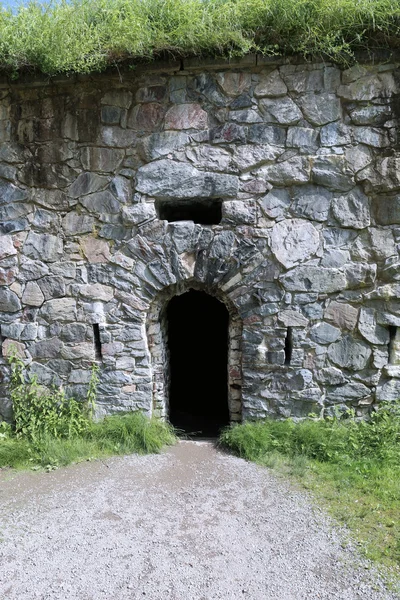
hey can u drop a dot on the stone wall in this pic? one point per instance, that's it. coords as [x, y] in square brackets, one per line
[306, 162]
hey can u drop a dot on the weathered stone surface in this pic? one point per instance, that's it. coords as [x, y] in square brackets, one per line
[320, 109]
[324, 333]
[210, 158]
[292, 318]
[95, 250]
[271, 85]
[169, 179]
[276, 203]
[74, 224]
[282, 110]
[313, 202]
[10, 193]
[146, 117]
[352, 209]
[87, 183]
[335, 134]
[349, 353]
[314, 279]
[289, 172]
[161, 144]
[332, 172]
[186, 116]
[97, 291]
[386, 210]
[304, 138]
[49, 348]
[138, 213]
[239, 212]
[101, 159]
[33, 295]
[43, 247]
[101, 203]
[234, 83]
[59, 309]
[348, 392]
[12, 347]
[370, 330]
[6, 247]
[84, 351]
[293, 241]
[389, 391]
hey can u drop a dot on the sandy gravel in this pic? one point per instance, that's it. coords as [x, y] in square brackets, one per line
[189, 524]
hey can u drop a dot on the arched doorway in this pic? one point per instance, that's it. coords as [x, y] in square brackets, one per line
[197, 333]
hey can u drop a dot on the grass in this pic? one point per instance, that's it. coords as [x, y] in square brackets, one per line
[118, 434]
[352, 466]
[84, 36]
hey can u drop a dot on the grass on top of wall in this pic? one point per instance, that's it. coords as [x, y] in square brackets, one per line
[353, 466]
[115, 435]
[85, 36]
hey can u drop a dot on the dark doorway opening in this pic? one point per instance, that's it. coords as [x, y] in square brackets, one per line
[198, 354]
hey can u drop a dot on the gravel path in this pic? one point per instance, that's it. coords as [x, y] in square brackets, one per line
[190, 524]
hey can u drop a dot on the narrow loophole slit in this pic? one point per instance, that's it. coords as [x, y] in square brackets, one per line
[288, 346]
[97, 342]
[392, 339]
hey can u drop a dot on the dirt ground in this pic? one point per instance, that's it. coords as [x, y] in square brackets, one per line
[191, 523]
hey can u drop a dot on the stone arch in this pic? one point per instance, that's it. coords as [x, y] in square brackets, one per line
[156, 328]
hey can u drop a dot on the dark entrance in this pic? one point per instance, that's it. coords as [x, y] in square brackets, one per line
[198, 350]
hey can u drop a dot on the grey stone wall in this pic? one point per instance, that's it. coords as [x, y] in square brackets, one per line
[305, 159]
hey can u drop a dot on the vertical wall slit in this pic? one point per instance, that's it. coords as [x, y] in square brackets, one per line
[97, 342]
[392, 340]
[288, 346]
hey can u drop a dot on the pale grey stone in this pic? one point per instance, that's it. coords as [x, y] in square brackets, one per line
[87, 183]
[335, 134]
[96, 291]
[389, 391]
[339, 238]
[121, 188]
[9, 301]
[138, 213]
[358, 157]
[350, 354]
[382, 244]
[330, 376]
[310, 278]
[276, 203]
[10, 193]
[360, 275]
[59, 310]
[332, 172]
[288, 172]
[293, 241]
[281, 110]
[169, 179]
[32, 295]
[7, 247]
[335, 258]
[101, 159]
[312, 201]
[46, 348]
[300, 80]
[304, 138]
[292, 318]
[182, 233]
[158, 145]
[370, 330]
[222, 244]
[210, 158]
[367, 88]
[83, 351]
[76, 224]
[43, 246]
[383, 175]
[101, 203]
[248, 115]
[265, 134]
[238, 212]
[373, 114]
[352, 209]
[323, 333]
[271, 85]
[249, 156]
[348, 392]
[371, 136]
[320, 109]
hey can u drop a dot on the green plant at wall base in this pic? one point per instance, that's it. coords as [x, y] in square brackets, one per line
[40, 412]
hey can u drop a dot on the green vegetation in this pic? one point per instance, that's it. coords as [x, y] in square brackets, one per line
[352, 465]
[84, 36]
[51, 430]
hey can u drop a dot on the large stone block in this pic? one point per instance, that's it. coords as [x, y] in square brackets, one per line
[43, 246]
[293, 241]
[310, 278]
[350, 353]
[169, 179]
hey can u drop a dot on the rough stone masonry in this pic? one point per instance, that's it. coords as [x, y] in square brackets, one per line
[303, 163]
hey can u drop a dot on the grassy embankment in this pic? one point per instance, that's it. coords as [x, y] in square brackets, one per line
[85, 36]
[352, 466]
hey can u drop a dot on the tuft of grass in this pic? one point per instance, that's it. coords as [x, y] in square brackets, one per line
[352, 465]
[118, 434]
[84, 36]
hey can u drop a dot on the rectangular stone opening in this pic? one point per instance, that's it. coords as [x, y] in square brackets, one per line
[203, 212]
[97, 342]
[288, 346]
